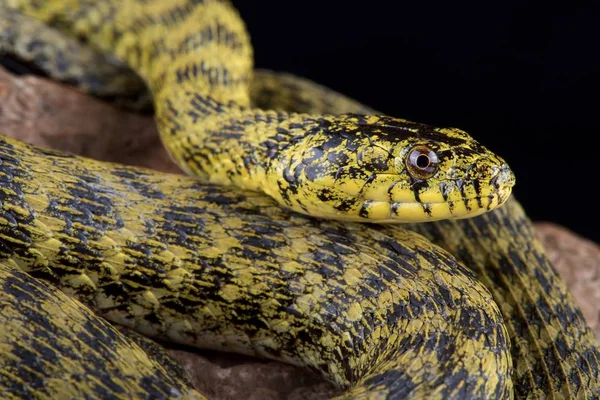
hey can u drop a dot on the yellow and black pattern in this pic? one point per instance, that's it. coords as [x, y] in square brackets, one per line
[54, 347]
[554, 354]
[196, 58]
[378, 310]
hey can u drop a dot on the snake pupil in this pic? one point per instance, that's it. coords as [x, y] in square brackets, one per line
[422, 161]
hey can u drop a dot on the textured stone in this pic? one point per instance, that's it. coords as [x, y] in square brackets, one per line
[231, 377]
[45, 113]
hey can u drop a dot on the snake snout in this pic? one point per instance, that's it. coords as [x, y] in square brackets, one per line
[504, 182]
[493, 170]
[504, 177]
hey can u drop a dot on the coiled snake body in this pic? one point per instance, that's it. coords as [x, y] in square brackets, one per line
[379, 310]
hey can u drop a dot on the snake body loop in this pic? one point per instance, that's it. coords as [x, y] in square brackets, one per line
[378, 310]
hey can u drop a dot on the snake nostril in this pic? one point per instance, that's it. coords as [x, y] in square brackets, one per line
[506, 176]
[503, 177]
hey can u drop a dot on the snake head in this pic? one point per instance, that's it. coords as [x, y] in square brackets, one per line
[383, 169]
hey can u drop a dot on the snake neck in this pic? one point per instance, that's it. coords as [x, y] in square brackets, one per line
[243, 147]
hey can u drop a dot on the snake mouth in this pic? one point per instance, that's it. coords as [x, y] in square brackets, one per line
[398, 212]
[409, 210]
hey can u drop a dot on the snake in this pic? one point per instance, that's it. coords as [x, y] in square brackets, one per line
[284, 240]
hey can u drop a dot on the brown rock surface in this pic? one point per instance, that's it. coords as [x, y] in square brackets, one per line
[45, 113]
[231, 377]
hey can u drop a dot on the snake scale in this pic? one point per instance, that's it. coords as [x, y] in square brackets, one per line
[209, 261]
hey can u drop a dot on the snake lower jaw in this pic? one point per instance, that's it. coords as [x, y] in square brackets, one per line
[386, 212]
[451, 209]
[483, 204]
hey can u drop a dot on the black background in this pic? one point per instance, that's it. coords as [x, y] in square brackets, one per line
[519, 78]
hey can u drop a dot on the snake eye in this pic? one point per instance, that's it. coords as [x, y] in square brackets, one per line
[422, 162]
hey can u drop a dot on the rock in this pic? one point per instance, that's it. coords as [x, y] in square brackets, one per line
[225, 376]
[45, 113]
